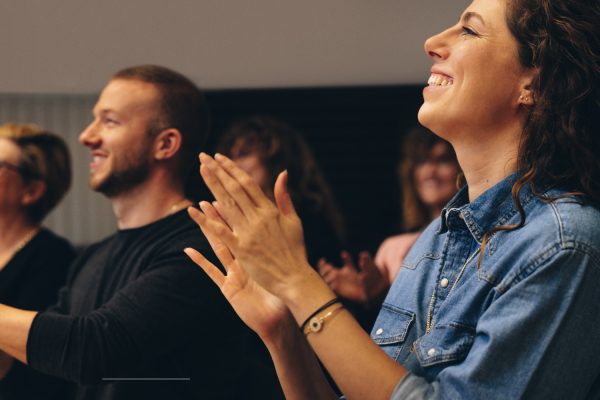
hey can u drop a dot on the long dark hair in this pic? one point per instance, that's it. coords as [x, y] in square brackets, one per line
[561, 40]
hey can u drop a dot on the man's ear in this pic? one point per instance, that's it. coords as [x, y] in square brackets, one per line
[167, 143]
[34, 191]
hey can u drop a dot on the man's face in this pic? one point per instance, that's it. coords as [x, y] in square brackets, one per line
[119, 136]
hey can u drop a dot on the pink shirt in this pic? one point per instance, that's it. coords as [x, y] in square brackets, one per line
[392, 251]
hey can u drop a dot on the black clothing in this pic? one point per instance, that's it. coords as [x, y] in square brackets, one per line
[320, 238]
[32, 278]
[139, 320]
[31, 281]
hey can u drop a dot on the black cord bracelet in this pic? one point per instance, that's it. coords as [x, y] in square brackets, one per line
[323, 307]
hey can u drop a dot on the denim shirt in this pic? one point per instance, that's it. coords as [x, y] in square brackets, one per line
[524, 324]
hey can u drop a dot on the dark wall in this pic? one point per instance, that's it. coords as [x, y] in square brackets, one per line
[355, 135]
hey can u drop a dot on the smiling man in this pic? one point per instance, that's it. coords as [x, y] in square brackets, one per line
[136, 320]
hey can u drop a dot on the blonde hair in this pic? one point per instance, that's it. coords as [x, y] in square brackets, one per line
[44, 157]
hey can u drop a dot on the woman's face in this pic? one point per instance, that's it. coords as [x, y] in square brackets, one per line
[11, 183]
[476, 78]
[250, 162]
[435, 177]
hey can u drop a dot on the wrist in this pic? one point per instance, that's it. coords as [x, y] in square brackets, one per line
[282, 334]
[303, 295]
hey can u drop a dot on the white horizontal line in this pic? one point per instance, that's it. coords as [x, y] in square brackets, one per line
[146, 379]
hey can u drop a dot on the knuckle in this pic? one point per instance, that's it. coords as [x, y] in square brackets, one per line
[246, 180]
[271, 213]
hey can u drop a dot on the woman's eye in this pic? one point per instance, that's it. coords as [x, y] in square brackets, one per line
[468, 31]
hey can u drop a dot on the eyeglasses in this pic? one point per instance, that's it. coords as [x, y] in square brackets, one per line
[11, 166]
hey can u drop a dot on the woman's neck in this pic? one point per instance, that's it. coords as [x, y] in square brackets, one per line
[485, 161]
[13, 228]
[15, 232]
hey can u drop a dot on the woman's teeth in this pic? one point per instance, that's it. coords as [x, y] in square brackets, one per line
[439, 80]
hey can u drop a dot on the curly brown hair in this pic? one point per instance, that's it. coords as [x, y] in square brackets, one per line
[561, 40]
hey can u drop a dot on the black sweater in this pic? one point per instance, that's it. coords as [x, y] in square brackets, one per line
[138, 320]
[31, 281]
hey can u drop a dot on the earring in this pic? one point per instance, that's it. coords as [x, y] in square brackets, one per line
[525, 99]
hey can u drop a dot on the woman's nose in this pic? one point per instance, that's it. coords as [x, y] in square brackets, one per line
[437, 47]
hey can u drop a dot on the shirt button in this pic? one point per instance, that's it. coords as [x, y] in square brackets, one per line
[444, 283]
[431, 352]
[379, 331]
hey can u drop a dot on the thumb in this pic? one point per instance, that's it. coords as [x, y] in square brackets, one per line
[282, 196]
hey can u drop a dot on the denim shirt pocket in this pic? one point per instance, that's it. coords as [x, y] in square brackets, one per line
[444, 344]
[391, 329]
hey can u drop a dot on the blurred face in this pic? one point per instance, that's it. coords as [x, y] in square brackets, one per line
[435, 177]
[119, 136]
[250, 162]
[476, 77]
[12, 186]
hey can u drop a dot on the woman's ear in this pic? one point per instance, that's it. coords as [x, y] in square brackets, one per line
[167, 143]
[33, 192]
[526, 93]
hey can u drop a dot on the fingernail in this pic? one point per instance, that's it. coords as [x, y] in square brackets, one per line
[205, 158]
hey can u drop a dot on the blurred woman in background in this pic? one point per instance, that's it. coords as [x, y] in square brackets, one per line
[35, 174]
[427, 172]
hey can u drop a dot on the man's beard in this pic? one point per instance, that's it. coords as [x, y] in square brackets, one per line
[129, 169]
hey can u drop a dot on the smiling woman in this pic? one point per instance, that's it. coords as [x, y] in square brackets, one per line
[35, 173]
[498, 298]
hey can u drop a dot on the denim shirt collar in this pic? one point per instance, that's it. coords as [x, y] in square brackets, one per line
[492, 208]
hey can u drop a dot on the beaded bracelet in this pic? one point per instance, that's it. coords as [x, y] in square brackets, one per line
[323, 307]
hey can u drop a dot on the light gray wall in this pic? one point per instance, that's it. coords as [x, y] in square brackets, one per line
[72, 46]
[59, 53]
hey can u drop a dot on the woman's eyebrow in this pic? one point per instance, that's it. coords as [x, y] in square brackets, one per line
[472, 15]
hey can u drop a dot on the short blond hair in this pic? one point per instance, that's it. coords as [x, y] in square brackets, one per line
[44, 156]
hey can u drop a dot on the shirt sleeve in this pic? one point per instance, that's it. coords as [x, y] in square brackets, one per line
[539, 339]
[171, 303]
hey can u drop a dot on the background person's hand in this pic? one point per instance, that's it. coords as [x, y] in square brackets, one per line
[364, 284]
[345, 280]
